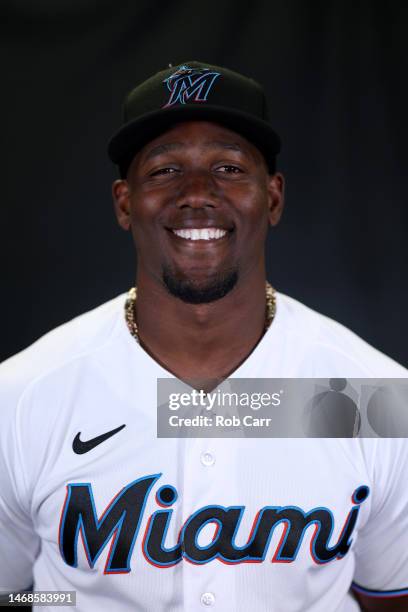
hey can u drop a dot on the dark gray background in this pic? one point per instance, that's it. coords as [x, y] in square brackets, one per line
[335, 74]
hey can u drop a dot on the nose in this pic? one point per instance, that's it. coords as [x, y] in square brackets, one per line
[198, 190]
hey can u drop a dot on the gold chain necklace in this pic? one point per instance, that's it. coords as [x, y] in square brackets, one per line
[132, 297]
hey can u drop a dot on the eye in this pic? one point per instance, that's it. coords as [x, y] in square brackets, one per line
[229, 169]
[163, 172]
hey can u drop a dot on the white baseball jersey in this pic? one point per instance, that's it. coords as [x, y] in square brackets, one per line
[133, 522]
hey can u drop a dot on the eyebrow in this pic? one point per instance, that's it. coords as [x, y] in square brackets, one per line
[174, 146]
[161, 149]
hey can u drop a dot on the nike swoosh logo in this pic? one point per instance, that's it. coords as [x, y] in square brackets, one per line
[80, 447]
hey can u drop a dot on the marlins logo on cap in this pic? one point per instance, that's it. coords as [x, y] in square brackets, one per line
[190, 84]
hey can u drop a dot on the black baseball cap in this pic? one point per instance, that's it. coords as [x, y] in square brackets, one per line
[193, 91]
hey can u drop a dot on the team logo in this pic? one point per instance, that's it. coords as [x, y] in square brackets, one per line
[190, 85]
[121, 520]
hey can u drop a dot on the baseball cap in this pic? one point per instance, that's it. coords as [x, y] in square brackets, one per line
[188, 92]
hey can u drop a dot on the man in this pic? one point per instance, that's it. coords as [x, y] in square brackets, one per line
[194, 523]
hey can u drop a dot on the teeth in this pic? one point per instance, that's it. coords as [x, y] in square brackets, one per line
[209, 233]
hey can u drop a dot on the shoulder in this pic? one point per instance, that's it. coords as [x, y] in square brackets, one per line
[330, 348]
[79, 337]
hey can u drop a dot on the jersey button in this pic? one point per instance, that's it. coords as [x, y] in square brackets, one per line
[208, 599]
[207, 459]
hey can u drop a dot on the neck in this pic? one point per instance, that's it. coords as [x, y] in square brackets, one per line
[201, 341]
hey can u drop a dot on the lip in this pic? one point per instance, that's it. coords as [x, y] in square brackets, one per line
[200, 225]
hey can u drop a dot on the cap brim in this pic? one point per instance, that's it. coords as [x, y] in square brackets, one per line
[132, 136]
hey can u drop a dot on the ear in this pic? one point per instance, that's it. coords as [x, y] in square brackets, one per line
[276, 191]
[121, 201]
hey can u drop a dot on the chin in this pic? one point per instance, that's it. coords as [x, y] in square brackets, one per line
[199, 291]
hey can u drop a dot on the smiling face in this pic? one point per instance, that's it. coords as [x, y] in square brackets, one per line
[198, 200]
